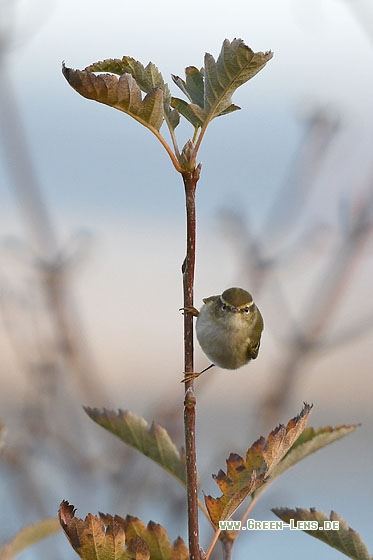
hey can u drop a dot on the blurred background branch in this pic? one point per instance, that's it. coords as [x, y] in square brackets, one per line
[300, 338]
[42, 324]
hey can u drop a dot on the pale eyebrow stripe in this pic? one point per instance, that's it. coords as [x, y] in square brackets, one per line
[248, 304]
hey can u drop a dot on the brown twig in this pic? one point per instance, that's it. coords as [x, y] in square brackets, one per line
[190, 182]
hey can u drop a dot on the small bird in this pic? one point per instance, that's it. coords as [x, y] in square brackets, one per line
[228, 328]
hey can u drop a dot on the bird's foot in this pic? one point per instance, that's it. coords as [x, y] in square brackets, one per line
[189, 376]
[191, 310]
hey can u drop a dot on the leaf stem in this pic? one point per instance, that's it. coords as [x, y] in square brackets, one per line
[173, 138]
[212, 544]
[199, 139]
[250, 507]
[195, 135]
[173, 158]
[190, 179]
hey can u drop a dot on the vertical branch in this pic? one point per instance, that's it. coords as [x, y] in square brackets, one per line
[190, 179]
[227, 548]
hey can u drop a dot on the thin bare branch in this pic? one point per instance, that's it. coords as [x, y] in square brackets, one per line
[190, 183]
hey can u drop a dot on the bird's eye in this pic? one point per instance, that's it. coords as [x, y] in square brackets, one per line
[246, 309]
[223, 306]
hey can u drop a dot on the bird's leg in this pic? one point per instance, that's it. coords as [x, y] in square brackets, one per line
[193, 374]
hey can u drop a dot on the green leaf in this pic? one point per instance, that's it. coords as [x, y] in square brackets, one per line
[236, 64]
[112, 65]
[193, 87]
[153, 441]
[28, 536]
[211, 89]
[122, 93]
[192, 112]
[310, 441]
[147, 78]
[230, 109]
[245, 476]
[345, 539]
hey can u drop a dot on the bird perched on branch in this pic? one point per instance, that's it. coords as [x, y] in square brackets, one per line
[228, 328]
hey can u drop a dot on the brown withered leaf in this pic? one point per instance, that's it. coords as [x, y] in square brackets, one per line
[100, 538]
[154, 535]
[244, 476]
[137, 549]
[235, 493]
[90, 539]
[281, 439]
[121, 92]
[344, 539]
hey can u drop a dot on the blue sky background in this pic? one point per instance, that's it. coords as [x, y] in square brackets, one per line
[102, 173]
